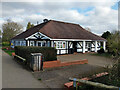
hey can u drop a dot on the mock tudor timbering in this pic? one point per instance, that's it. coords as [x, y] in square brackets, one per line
[67, 38]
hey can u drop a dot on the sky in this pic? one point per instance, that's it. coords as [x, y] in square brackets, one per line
[99, 16]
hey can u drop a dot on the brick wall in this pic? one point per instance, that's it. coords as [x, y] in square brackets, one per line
[50, 64]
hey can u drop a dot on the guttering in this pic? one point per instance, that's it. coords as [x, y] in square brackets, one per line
[75, 40]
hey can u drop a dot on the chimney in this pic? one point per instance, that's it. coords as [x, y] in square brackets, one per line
[37, 22]
[45, 20]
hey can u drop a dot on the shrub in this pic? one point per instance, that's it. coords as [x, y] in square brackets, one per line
[101, 51]
[5, 44]
[49, 53]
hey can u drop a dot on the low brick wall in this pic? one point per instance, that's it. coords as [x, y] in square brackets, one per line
[50, 64]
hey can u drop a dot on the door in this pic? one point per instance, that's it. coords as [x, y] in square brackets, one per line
[89, 46]
[75, 46]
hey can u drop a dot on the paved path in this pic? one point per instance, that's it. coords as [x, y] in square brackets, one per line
[15, 76]
[92, 59]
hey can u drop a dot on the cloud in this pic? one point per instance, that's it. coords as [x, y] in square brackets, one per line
[100, 18]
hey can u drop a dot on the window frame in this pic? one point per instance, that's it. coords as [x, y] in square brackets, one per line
[41, 43]
[59, 44]
[32, 42]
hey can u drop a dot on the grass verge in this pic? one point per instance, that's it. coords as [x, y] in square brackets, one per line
[9, 51]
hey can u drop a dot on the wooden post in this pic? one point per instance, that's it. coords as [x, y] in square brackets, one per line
[104, 45]
[95, 46]
[28, 43]
[83, 49]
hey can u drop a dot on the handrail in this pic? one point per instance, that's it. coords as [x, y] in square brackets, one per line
[20, 57]
[96, 84]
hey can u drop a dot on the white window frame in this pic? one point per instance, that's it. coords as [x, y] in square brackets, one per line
[41, 43]
[23, 43]
[59, 44]
[16, 43]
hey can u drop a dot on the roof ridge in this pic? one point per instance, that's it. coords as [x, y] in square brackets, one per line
[63, 22]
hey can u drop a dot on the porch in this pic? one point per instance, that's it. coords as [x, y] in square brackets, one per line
[67, 46]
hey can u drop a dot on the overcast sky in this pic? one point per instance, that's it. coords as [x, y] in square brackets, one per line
[98, 16]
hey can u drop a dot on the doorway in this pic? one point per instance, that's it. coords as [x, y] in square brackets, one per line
[75, 46]
[89, 46]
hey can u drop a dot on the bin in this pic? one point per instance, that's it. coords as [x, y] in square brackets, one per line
[36, 62]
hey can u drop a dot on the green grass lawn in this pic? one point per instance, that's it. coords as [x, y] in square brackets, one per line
[8, 51]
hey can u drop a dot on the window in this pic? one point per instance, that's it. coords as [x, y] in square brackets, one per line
[23, 43]
[55, 44]
[31, 43]
[41, 43]
[18, 43]
[15, 43]
[63, 44]
[60, 44]
[89, 44]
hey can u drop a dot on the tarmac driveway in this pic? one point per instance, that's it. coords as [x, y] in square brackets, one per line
[56, 77]
[92, 59]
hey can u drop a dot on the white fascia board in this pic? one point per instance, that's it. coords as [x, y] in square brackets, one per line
[70, 40]
[75, 40]
[32, 36]
[100, 40]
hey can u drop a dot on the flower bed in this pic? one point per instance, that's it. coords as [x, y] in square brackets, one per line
[8, 50]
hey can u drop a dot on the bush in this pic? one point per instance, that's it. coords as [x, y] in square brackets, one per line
[5, 44]
[49, 53]
[101, 51]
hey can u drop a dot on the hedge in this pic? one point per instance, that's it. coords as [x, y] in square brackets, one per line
[49, 53]
[5, 43]
[101, 50]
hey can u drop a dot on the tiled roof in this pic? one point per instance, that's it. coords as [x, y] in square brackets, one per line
[60, 30]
